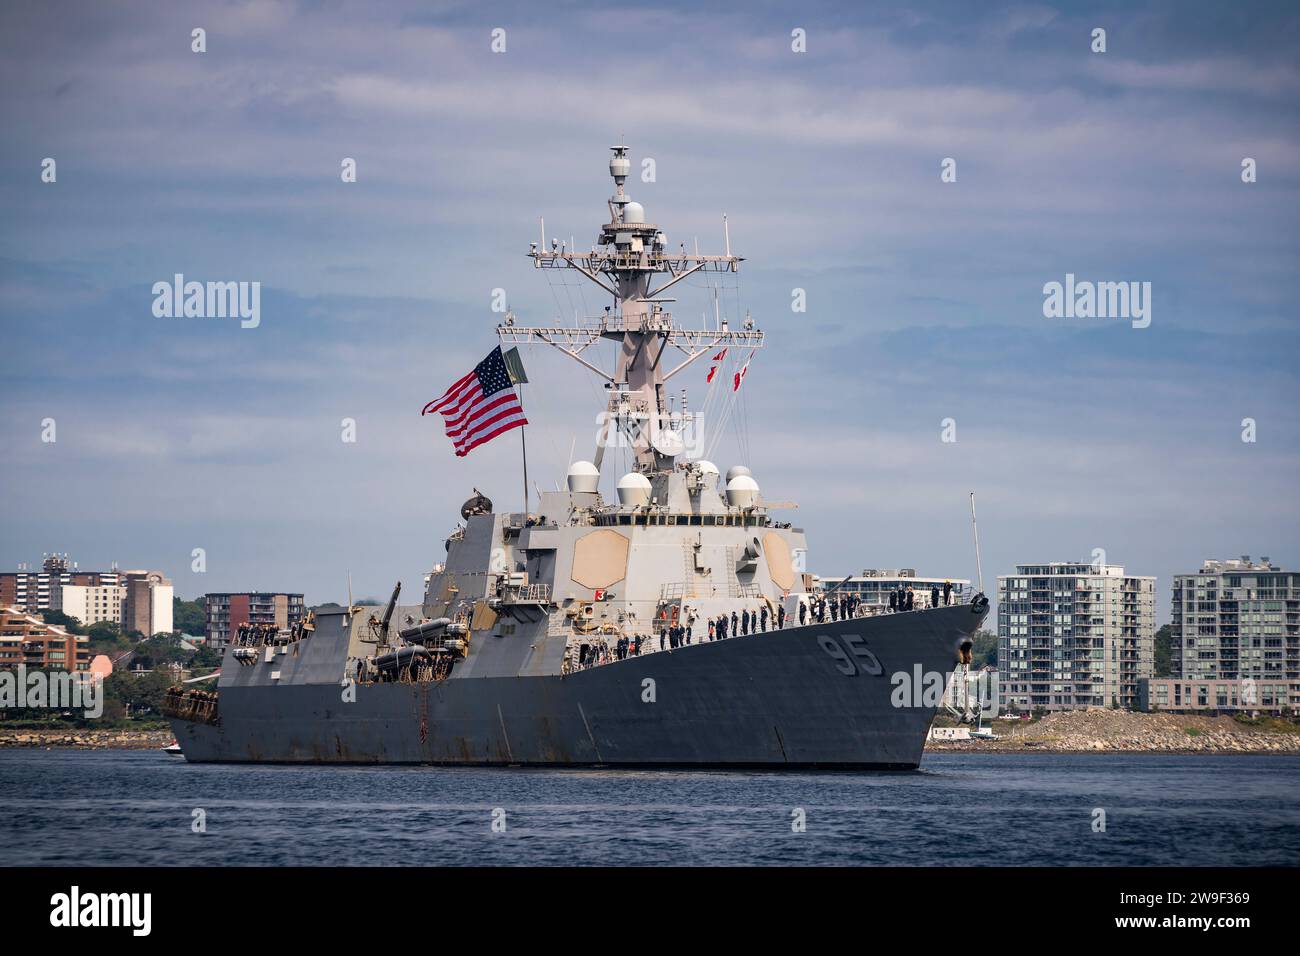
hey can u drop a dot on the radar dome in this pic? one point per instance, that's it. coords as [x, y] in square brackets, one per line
[583, 476]
[735, 470]
[634, 490]
[742, 491]
[634, 212]
[708, 469]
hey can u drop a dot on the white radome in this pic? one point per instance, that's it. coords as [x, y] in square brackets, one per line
[742, 491]
[736, 470]
[707, 467]
[634, 490]
[583, 476]
[633, 212]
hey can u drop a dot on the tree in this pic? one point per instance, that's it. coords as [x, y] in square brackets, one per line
[59, 619]
[1164, 652]
[189, 617]
[162, 649]
[205, 659]
[985, 652]
[106, 636]
[142, 694]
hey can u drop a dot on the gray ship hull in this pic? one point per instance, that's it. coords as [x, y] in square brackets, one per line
[820, 696]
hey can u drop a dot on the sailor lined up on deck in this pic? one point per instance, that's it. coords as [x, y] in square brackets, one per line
[902, 600]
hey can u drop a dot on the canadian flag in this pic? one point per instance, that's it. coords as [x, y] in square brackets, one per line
[713, 370]
[740, 376]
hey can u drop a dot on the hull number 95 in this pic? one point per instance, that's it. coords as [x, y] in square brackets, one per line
[858, 658]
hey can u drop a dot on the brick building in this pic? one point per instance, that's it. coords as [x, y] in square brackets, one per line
[26, 639]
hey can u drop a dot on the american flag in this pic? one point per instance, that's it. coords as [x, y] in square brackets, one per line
[480, 406]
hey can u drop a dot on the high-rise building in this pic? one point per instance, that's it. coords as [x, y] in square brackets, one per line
[227, 611]
[43, 590]
[146, 603]
[26, 639]
[1073, 636]
[1237, 620]
[92, 603]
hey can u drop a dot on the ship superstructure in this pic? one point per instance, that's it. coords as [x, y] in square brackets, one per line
[674, 625]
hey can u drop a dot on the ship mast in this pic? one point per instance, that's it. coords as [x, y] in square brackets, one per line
[625, 261]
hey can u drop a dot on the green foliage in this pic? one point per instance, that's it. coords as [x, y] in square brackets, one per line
[59, 619]
[986, 649]
[21, 714]
[105, 632]
[1164, 652]
[162, 649]
[1270, 723]
[189, 617]
[105, 638]
[205, 659]
[1192, 731]
[140, 695]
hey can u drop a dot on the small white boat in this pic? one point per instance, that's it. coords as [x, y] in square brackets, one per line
[174, 749]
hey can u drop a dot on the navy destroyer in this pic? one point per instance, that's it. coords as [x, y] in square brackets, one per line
[673, 627]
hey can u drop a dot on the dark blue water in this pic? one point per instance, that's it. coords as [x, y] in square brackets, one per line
[135, 808]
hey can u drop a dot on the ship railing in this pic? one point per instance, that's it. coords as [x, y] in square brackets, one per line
[196, 706]
[526, 594]
[259, 635]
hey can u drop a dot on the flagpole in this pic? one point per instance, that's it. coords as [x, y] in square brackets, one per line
[523, 447]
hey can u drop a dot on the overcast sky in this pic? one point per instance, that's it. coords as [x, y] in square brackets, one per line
[924, 298]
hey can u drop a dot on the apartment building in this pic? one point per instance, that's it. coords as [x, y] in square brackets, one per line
[138, 601]
[146, 603]
[1199, 695]
[1073, 635]
[1235, 620]
[26, 639]
[42, 590]
[92, 603]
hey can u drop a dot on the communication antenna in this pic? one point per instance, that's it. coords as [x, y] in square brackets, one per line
[975, 529]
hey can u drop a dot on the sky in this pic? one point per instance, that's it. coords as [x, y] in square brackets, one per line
[924, 297]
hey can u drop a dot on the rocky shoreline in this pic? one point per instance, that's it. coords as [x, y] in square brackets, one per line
[1120, 732]
[81, 739]
[1072, 733]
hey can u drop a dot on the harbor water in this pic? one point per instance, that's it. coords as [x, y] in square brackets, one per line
[143, 808]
